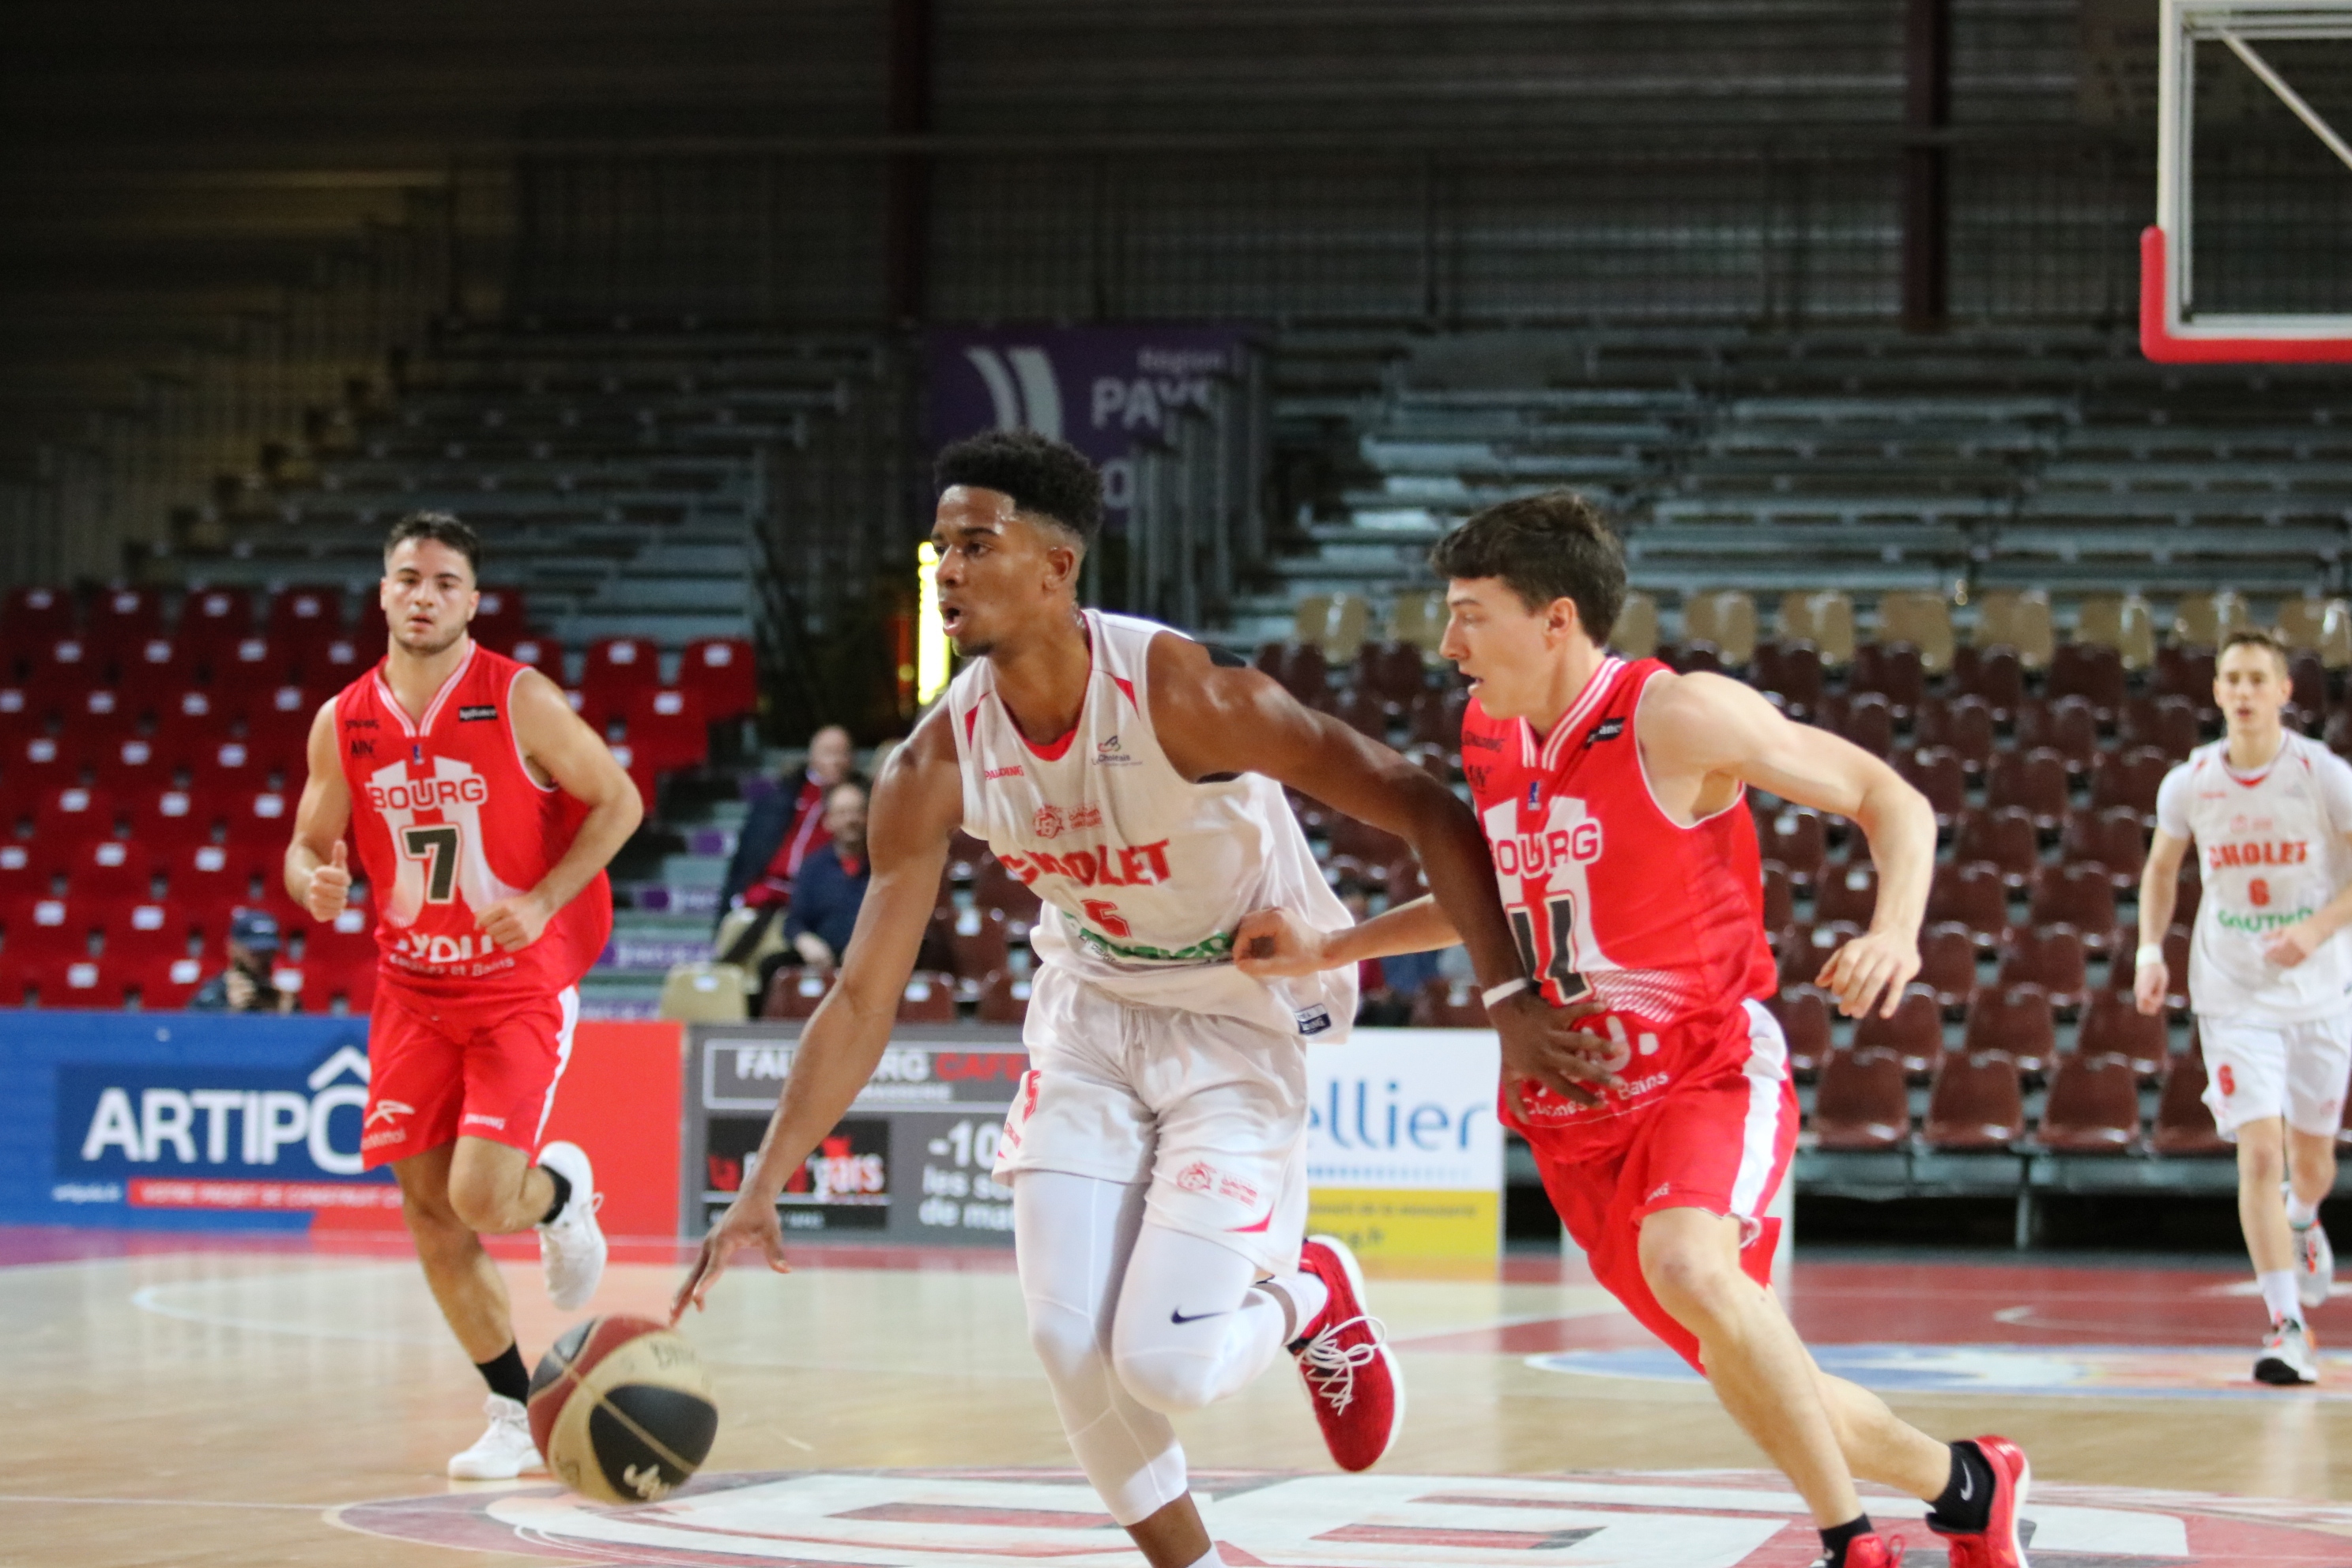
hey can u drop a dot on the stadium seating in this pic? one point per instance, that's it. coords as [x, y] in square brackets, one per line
[1976, 1104]
[1915, 1034]
[1859, 1102]
[2092, 1106]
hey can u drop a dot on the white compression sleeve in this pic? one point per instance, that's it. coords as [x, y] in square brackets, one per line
[1191, 1329]
[1071, 1237]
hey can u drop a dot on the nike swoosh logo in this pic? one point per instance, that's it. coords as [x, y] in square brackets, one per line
[1176, 1315]
[1968, 1486]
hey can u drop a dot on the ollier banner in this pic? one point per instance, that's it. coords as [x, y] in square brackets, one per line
[1404, 1153]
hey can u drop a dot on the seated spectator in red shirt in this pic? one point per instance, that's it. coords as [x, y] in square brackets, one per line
[776, 837]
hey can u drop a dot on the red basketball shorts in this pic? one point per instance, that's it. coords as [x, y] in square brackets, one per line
[1720, 1142]
[438, 1072]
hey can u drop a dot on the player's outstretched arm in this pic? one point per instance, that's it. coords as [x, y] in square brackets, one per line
[318, 874]
[1705, 734]
[2159, 887]
[1216, 721]
[917, 805]
[555, 741]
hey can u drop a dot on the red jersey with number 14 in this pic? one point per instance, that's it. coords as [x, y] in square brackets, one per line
[1665, 922]
[448, 820]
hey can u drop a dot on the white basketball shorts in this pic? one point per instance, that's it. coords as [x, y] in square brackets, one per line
[1210, 1111]
[2254, 1069]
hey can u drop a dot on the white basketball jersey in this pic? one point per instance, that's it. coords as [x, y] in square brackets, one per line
[1144, 874]
[2271, 849]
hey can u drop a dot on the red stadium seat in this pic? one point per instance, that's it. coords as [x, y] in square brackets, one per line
[1893, 670]
[1435, 716]
[74, 814]
[1948, 963]
[118, 619]
[1797, 837]
[164, 984]
[619, 668]
[994, 888]
[1972, 894]
[334, 664]
[253, 663]
[142, 932]
[640, 771]
[1780, 904]
[795, 993]
[258, 826]
[2162, 723]
[928, 998]
[1846, 890]
[2111, 838]
[1392, 670]
[1993, 674]
[63, 668]
[501, 616]
[36, 768]
[1005, 998]
[2003, 837]
[2013, 1020]
[306, 615]
[32, 617]
[106, 871]
[224, 768]
[22, 878]
[2087, 670]
[1859, 1102]
[90, 984]
[2052, 957]
[1364, 710]
[2184, 1122]
[1803, 1013]
[2068, 726]
[539, 651]
[1963, 723]
[666, 729]
[213, 622]
[157, 665]
[1937, 772]
[2114, 1026]
[2075, 895]
[2130, 779]
[278, 725]
[1915, 1033]
[47, 931]
[1791, 670]
[2034, 781]
[2185, 672]
[1869, 722]
[96, 722]
[127, 767]
[1976, 1104]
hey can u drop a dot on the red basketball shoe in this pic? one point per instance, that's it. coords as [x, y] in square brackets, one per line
[1351, 1375]
[1871, 1552]
[1997, 1545]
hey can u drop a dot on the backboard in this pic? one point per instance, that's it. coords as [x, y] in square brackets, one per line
[2173, 328]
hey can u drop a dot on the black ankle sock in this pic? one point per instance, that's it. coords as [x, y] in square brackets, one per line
[1966, 1505]
[563, 1194]
[506, 1375]
[1834, 1541]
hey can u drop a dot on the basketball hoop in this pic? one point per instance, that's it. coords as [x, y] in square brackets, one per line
[2172, 330]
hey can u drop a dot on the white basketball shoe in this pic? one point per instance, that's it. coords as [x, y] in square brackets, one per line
[2286, 1359]
[571, 1245]
[502, 1452]
[2314, 1264]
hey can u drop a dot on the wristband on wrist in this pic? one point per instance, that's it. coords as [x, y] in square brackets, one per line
[1506, 990]
[2149, 952]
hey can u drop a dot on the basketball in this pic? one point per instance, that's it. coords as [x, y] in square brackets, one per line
[620, 1410]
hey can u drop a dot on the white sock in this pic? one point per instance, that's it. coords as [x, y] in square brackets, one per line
[2299, 1214]
[1213, 1559]
[2278, 1295]
[1306, 1294]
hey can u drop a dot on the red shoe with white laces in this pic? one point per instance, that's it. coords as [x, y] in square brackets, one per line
[1351, 1375]
[1997, 1545]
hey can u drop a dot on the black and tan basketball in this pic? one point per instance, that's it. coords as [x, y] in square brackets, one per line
[620, 1410]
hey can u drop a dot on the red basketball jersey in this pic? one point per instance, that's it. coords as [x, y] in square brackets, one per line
[448, 820]
[1663, 922]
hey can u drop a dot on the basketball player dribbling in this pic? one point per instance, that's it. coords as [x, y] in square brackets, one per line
[1156, 1149]
[2270, 972]
[485, 813]
[1613, 793]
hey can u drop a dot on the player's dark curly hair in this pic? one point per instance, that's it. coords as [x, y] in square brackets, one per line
[441, 527]
[1552, 545]
[1046, 478]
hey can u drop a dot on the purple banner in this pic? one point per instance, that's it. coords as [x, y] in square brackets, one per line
[1104, 390]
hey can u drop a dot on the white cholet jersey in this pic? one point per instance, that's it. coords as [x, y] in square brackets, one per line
[1144, 874]
[2270, 848]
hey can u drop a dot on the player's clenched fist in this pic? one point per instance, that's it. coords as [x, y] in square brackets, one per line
[331, 886]
[515, 923]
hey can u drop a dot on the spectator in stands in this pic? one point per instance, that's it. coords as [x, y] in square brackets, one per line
[245, 986]
[831, 882]
[777, 837]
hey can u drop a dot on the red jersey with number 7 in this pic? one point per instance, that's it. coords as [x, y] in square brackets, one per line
[448, 820]
[1663, 922]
